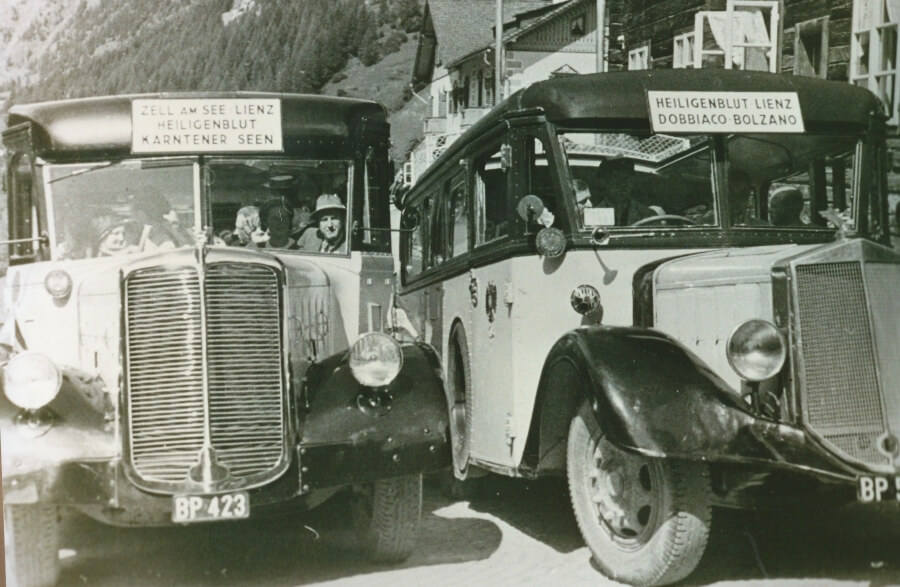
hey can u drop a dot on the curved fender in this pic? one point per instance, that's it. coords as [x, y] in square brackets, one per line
[354, 434]
[653, 395]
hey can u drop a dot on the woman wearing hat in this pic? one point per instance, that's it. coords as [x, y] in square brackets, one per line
[329, 235]
[275, 223]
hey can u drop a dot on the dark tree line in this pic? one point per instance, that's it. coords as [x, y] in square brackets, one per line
[124, 46]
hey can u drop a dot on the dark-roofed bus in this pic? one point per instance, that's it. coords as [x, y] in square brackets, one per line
[673, 288]
[197, 299]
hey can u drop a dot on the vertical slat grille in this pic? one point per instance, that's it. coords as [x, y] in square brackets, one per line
[168, 421]
[843, 400]
[244, 338]
[165, 372]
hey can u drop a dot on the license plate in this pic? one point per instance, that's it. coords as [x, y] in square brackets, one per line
[874, 488]
[199, 508]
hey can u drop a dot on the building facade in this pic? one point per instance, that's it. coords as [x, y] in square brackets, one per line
[456, 63]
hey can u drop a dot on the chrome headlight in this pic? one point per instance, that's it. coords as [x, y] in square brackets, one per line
[58, 284]
[756, 350]
[31, 380]
[375, 359]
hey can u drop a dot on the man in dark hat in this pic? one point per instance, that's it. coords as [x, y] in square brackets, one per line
[329, 235]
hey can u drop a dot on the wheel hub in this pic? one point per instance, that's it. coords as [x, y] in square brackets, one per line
[623, 489]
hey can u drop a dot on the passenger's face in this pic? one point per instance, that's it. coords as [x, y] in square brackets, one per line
[331, 226]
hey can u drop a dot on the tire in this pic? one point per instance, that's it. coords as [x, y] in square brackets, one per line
[645, 520]
[386, 515]
[459, 385]
[32, 545]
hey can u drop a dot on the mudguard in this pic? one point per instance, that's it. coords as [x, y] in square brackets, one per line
[351, 433]
[62, 454]
[652, 395]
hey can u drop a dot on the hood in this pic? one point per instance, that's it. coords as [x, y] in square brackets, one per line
[700, 299]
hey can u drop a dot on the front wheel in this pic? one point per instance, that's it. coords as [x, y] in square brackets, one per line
[645, 520]
[32, 539]
[386, 515]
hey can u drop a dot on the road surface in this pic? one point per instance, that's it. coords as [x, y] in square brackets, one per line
[513, 533]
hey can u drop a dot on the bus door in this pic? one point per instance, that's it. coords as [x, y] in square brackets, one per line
[489, 282]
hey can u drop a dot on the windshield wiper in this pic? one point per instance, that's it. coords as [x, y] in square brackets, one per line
[85, 170]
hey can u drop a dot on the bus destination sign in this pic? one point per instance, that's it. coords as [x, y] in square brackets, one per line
[206, 125]
[725, 112]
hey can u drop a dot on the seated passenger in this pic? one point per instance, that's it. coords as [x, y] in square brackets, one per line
[245, 224]
[618, 180]
[329, 234]
[274, 227]
[741, 200]
[785, 206]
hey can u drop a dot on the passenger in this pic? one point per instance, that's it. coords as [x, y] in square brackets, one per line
[618, 180]
[282, 186]
[785, 206]
[274, 230]
[120, 238]
[330, 235]
[245, 224]
[741, 194]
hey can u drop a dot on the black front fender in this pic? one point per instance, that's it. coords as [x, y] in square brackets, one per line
[351, 433]
[652, 395]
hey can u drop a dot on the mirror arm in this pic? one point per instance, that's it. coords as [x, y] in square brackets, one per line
[43, 240]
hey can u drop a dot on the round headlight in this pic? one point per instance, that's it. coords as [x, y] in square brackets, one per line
[375, 359]
[31, 380]
[58, 284]
[756, 350]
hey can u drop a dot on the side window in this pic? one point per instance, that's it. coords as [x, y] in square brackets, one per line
[436, 252]
[22, 214]
[539, 181]
[490, 197]
[418, 238]
[457, 215]
[375, 197]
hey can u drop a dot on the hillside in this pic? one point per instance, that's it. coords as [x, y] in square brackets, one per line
[387, 82]
[55, 49]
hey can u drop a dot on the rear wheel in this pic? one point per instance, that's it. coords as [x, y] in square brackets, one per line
[386, 515]
[32, 545]
[645, 520]
[459, 384]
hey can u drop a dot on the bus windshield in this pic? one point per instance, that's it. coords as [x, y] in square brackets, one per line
[774, 181]
[144, 205]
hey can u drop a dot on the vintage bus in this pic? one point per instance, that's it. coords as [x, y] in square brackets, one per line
[671, 287]
[197, 297]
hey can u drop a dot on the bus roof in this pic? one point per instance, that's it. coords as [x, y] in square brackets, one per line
[619, 100]
[102, 125]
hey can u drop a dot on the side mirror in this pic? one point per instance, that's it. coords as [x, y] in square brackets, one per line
[530, 208]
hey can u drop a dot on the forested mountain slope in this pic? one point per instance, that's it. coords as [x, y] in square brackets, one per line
[52, 50]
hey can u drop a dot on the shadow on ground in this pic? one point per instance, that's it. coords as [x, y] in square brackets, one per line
[293, 549]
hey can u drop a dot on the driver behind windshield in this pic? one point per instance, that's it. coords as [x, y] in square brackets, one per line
[617, 181]
[151, 226]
